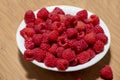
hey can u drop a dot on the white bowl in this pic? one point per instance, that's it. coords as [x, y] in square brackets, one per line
[69, 10]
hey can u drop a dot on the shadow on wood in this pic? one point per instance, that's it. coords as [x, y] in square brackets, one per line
[37, 73]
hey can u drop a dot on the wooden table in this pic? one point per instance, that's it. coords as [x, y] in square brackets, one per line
[14, 67]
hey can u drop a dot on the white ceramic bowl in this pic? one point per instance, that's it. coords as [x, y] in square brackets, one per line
[69, 10]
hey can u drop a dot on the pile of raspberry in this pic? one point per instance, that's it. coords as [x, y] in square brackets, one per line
[61, 40]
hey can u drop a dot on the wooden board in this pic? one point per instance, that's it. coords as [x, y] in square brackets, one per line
[14, 67]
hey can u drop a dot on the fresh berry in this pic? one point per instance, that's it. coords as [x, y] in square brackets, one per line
[62, 64]
[90, 38]
[54, 17]
[94, 19]
[39, 27]
[106, 73]
[98, 46]
[30, 25]
[98, 29]
[59, 52]
[39, 54]
[83, 57]
[37, 38]
[38, 21]
[102, 37]
[53, 35]
[27, 32]
[62, 41]
[89, 28]
[29, 16]
[29, 44]
[71, 32]
[80, 35]
[57, 10]
[91, 52]
[69, 21]
[43, 13]
[50, 60]
[44, 46]
[68, 54]
[74, 62]
[81, 15]
[53, 48]
[29, 55]
[80, 26]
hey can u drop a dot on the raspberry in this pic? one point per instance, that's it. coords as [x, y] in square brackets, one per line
[90, 38]
[91, 52]
[29, 16]
[69, 20]
[89, 28]
[44, 46]
[62, 64]
[71, 32]
[45, 38]
[38, 21]
[53, 35]
[94, 19]
[29, 55]
[53, 48]
[81, 15]
[98, 46]
[80, 26]
[98, 29]
[30, 25]
[80, 35]
[54, 17]
[60, 27]
[50, 60]
[43, 13]
[68, 54]
[57, 10]
[74, 62]
[29, 44]
[80, 45]
[62, 18]
[39, 27]
[39, 54]
[48, 24]
[27, 32]
[106, 73]
[37, 38]
[59, 52]
[63, 41]
[71, 43]
[102, 37]
[83, 57]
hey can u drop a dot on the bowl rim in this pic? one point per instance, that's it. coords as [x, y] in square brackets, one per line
[93, 61]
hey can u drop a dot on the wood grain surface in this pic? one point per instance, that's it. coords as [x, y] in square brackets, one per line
[14, 67]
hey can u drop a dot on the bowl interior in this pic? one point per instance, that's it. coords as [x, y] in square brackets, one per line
[68, 10]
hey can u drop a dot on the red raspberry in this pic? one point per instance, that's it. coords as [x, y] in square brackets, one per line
[45, 38]
[60, 27]
[59, 52]
[91, 52]
[106, 73]
[98, 29]
[98, 46]
[29, 16]
[74, 62]
[90, 38]
[39, 54]
[44, 46]
[53, 48]
[69, 21]
[50, 60]
[83, 57]
[54, 17]
[94, 19]
[80, 35]
[63, 41]
[89, 28]
[57, 10]
[71, 32]
[80, 45]
[43, 13]
[62, 64]
[38, 21]
[30, 25]
[102, 37]
[48, 24]
[62, 18]
[68, 54]
[29, 43]
[27, 32]
[37, 38]
[53, 35]
[71, 43]
[80, 26]
[39, 27]
[81, 15]
[29, 55]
